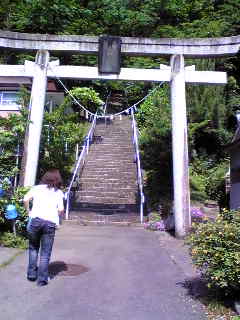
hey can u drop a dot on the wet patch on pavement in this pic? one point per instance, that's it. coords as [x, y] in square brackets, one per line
[60, 268]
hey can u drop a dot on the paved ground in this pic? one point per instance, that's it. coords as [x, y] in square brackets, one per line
[104, 273]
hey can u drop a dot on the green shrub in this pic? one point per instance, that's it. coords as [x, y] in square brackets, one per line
[215, 186]
[215, 250]
[207, 180]
[8, 239]
[197, 186]
[15, 198]
[22, 219]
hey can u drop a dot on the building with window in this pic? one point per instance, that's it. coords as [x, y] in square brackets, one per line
[9, 94]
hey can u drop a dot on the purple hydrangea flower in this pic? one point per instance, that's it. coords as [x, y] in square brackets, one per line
[196, 213]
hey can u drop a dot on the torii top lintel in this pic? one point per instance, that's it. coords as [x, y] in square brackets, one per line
[194, 48]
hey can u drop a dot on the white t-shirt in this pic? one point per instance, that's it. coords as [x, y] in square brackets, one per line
[46, 202]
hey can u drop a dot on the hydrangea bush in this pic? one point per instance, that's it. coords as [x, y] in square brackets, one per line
[155, 225]
[16, 198]
[158, 223]
[197, 215]
[215, 250]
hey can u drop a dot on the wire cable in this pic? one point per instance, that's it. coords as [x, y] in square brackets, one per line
[127, 110]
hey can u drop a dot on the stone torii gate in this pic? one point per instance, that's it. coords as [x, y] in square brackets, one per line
[176, 74]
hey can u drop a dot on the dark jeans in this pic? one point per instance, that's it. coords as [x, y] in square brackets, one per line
[41, 236]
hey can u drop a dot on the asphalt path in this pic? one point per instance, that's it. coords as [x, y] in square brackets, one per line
[103, 273]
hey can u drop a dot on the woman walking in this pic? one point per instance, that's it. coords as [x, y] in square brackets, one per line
[47, 205]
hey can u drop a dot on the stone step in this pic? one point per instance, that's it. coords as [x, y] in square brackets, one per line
[98, 219]
[103, 156]
[111, 185]
[109, 147]
[90, 214]
[121, 126]
[116, 173]
[112, 136]
[116, 125]
[124, 169]
[106, 193]
[96, 179]
[104, 200]
[120, 154]
[120, 139]
[124, 207]
[87, 208]
[103, 177]
[102, 161]
[91, 164]
[111, 152]
[128, 146]
[106, 170]
[114, 143]
[107, 174]
[121, 159]
[110, 166]
[108, 134]
[113, 133]
[107, 187]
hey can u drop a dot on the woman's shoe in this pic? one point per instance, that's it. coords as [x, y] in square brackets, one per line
[32, 279]
[42, 283]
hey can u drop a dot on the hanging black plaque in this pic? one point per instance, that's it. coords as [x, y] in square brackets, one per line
[109, 55]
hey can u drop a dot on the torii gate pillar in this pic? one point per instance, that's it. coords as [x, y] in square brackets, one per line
[180, 147]
[37, 103]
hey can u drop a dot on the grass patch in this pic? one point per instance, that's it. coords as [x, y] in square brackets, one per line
[217, 309]
[10, 260]
[217, 305]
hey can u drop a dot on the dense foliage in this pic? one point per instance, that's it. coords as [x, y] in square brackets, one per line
[13, 197]
[155, 126]
[157, 18]
[62, 130]
[215, 249]
[12, 133]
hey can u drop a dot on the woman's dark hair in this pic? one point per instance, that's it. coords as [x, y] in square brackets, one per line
[52, 179]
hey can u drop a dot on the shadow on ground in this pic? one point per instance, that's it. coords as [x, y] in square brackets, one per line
[60, 268]
[213, 299]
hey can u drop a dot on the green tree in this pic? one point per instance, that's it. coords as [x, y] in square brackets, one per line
[63, 130]
[154, 121]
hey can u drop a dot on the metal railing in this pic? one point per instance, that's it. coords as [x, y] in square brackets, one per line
[139, 170]
[80, 163]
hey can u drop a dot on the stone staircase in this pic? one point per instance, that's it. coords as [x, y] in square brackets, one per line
[108, 190]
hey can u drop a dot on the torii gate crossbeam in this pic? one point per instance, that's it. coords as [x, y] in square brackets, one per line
[196, 47]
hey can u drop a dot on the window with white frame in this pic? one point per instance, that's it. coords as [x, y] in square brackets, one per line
[8, 101]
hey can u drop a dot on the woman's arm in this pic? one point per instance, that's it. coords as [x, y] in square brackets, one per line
[26, 205]
[60, 205]
[27, 198]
